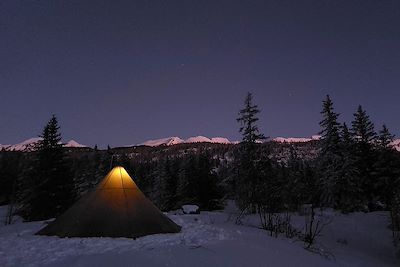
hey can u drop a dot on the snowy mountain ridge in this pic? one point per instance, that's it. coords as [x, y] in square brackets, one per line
[168, 141]
[29, 145]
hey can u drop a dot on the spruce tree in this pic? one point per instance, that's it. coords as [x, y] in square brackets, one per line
[248, 119]
[385, 138]
[363, 128]
[386, 168]
[348, 189]
[365, 137]
[246, 178]
[52, 183]
[346, 137]
[329, 158]
[330, 133]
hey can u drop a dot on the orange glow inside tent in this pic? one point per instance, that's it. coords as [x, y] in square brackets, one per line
[118, 178]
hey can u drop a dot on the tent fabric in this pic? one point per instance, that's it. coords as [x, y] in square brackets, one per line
[116, 208]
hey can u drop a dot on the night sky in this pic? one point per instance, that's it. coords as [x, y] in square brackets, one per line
[122, 72]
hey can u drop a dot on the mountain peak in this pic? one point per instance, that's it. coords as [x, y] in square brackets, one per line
[73, 143]
[168, 141]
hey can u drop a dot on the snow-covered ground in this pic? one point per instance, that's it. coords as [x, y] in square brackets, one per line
[207, 239]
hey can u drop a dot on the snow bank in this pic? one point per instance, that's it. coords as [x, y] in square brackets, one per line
[208, 239]
[20, 247]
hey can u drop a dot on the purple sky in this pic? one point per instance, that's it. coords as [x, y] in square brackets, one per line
[121, 72]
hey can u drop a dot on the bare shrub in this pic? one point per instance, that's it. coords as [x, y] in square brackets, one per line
[276, 223]
[313, 227]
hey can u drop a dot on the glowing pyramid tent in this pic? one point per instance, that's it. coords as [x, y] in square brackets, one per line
[116, 208]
